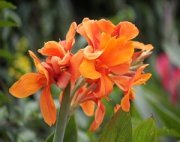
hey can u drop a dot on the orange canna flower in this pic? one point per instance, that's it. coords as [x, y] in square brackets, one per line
[56, 69]
[109, 58]
[30, 83]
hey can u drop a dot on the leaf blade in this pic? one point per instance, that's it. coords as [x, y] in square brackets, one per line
[118, 129]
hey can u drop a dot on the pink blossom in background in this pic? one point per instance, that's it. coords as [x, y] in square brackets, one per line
[170, 76]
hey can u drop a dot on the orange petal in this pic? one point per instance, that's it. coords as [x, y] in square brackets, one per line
[106, 26]
[99, 116]
[128, 30]
[132, 94]
[104, 87]
[90, 54]
[116, 108]
[63, 79]
[142, 79]
[88, 107]
[125, 103]
[75, 62]
[66, 59]
[39, 66]
[87, 69]
[27, 85]
[90, 30]
[52, 48]
[117, 51]
[104, 38]
[120, 69]
[138, 74]
[139, 45]
[70, 36]
[47, 106]
[121, 81]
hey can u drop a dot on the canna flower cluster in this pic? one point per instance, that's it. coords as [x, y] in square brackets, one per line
[110, 58]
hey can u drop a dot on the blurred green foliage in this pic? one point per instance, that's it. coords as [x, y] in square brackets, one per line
[26, 25]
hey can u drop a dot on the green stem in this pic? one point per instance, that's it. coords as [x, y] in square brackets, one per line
[63, 116]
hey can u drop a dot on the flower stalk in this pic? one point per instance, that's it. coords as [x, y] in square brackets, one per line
[63, 116]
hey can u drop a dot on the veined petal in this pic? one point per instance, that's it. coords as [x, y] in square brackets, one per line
[52, 48]
[127, 30]
[90, 54]
[87, 69]
[88, 107]
[27, 85]
[47, 106]
[117, 51]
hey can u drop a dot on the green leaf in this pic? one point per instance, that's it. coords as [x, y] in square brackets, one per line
[5, 4]
[167, 115]
[6, 23]
[168, 132]
[145, 132]
[118, 129]
[70, 134]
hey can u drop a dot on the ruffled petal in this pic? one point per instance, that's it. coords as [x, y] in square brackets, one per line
[90, 30]
[47, 106]
[106, 26]
[90, 54]
[88, 107]
[27, 85]
[139, 45]
[117, 51]
[127, 29]
[52, 48]
[87, 69]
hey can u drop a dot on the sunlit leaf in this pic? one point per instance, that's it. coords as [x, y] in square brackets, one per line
[6, 23]
[145, 132]
[5, 4]
[168, 132]
[118, 129]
